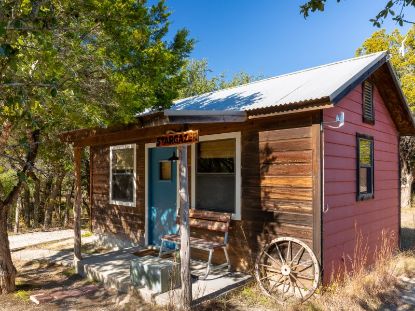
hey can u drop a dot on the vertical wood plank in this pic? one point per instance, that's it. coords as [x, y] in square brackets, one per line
[186, 292]
[77, 210]
[317, 185]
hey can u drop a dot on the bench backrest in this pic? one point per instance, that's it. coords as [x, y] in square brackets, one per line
[210, 221]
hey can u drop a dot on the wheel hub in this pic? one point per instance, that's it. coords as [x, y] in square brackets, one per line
[285, 270]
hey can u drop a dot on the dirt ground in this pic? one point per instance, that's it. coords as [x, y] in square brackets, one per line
[408, 228]
[36, 277]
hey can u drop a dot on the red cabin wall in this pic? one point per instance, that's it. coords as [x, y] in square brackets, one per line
[350, 226]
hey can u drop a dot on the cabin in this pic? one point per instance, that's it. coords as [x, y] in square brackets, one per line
[312, 154]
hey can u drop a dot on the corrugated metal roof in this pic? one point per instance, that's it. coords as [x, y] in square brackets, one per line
[323, 82]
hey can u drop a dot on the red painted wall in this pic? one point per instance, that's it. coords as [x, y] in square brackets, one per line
[346, 220]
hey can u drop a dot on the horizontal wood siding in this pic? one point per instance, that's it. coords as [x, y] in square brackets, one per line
[277, 186]
[347, 222]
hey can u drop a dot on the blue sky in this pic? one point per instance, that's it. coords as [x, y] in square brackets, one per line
[270, 37]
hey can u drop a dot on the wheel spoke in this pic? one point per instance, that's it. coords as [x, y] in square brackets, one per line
[279, 253]
[288, 251]
[301, 250]
[305, 268]
[277, 282]
[302, 276]
[272, 258]
[270, 269]
[299, 289]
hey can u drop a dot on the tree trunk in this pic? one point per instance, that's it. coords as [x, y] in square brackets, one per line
[406, 185]
[52, 202]
[7, 269]
[17, 216]
[36, 202]
[186, 293]
[68, 205]
[26, 205]
[46, 193]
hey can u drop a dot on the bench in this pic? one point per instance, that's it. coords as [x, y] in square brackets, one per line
[213, 222]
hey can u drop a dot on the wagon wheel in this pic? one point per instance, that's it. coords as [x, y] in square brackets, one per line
[287, 269]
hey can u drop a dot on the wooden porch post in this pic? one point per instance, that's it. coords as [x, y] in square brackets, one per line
[186, 293]
[77, 211]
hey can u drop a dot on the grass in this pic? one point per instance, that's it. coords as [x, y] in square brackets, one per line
[22, 294]
[86, 234]
[69, 272]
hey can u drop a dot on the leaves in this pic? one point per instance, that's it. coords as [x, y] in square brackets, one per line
[377, 21]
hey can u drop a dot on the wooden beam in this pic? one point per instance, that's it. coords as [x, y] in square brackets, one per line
[77, 211]
[186, 293]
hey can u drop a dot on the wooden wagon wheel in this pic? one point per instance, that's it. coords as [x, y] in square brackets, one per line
[286, 269]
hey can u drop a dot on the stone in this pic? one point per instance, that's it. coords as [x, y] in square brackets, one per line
[156, 274]
[41, 298]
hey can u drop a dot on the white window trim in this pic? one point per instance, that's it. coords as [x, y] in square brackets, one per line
[124, 203]
[237, 137]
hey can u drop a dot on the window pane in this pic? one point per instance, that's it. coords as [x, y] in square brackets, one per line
[365, 152]
[122, 183]
[165, 170]
[123, 159]
[363, 183]
[123, 187]
[215, 192]
[215, 176]
[216, 156]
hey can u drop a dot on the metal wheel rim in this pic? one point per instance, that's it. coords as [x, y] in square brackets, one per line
[283, 274]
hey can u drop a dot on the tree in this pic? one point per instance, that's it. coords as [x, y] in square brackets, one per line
[197, 80]
[405, 69]
[69, 64]
[388, 10]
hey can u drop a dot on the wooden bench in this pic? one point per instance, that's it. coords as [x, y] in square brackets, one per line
[213, 222]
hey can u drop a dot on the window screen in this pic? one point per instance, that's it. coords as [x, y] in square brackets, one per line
[368, 109]
[122, 174]
[215, 175]
[365, 172]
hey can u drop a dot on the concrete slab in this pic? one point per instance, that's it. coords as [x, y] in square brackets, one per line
[112, 269]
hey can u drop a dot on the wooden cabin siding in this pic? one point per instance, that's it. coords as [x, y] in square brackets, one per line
[280, 162]
[346, 221]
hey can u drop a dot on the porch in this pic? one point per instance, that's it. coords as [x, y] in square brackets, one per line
[113, 270]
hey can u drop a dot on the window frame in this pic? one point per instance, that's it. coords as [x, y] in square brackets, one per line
[361, 196]
[364, 118]
[117, 202]
[231, 135]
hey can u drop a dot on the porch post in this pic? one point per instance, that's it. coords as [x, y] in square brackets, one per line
[186, 293]
[77, 210]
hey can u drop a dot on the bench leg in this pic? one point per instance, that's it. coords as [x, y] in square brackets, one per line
[161, 248]
[227, 258]
[208, 265]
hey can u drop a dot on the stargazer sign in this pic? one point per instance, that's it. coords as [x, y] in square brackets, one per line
[181, 138]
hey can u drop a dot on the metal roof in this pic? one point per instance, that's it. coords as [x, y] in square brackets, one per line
[328, 82]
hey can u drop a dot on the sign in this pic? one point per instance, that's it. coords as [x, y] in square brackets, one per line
[181, 138]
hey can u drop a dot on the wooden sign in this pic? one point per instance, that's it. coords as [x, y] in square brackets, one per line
[181, 138]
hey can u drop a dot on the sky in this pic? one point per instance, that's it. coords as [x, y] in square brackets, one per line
[271, 37]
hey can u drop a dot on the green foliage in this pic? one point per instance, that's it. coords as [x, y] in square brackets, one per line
[403, 65]
[197, 80]
[69, 64]
[388, 10]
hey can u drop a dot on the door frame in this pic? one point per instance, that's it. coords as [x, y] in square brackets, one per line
[147, 148]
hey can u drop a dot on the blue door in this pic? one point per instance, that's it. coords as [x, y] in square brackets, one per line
[162, 196]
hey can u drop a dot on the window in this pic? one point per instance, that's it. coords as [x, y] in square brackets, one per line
[368, 108]
[165, 170]
[365, 167]
[122, 175]
[217, 169]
